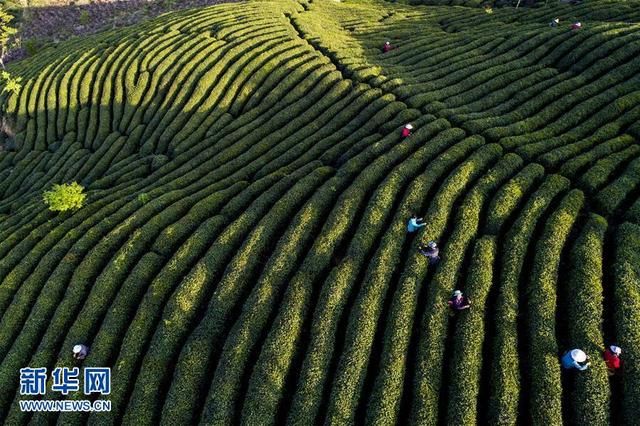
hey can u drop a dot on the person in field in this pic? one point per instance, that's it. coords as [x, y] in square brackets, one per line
[612, 359]
[430, 251]
[414, 224]
[576, 25]
[406, 131]
[554, 22]
[575, 359]
[386, 47]
[80, 352]
[459, 302]
[488, 8]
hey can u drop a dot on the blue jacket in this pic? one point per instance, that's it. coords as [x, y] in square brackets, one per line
[413, 225]
[569, 363]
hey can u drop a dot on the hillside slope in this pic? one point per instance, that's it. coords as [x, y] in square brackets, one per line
[243, 257]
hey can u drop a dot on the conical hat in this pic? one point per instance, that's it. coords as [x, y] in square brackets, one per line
[578, 355]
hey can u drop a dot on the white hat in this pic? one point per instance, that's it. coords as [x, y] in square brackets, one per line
[386, 42]
[431, 244]
[409, 126]
[457, 293]
[77, 349]
[615, 349]
[578, 355]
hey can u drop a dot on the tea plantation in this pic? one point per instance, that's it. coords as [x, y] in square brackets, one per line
[242, 253]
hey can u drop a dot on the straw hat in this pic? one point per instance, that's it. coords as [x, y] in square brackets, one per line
[77, 349]
[409, 126]
[457, 293]
[578, 355]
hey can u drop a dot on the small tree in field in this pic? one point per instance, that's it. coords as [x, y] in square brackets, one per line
[67, 196]
[11, 83]
[6, 32]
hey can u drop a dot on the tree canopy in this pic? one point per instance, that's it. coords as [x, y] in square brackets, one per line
[64, 197]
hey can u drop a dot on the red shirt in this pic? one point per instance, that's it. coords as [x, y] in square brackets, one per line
[406, 132]
[386, 48]
[612, 360]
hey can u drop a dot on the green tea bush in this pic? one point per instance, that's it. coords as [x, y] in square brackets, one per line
[546, 389]
[189, 378]
[572, 163]
[431, 342]
[264, 379]
[469, 336]
[361, 327]
[627, 313]
[611, 196]
[591, 396]
[633, 215]
[182, 305]
[598, 175]
[505, 373]
[508, 197]
[333, 296]
[142, 328]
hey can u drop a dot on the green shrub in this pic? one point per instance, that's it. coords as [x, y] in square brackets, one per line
[505, 373]
[265, 387]
[573, 163]
[627, 314]
[143, 198]
[509, 196]
[469, 335]
[189, 378]
[67, 196]
[313, 376]
[188, 296]
[591, 395]
[633, 215]
[84, 17]
[11, 84]
[31, 46]
[611, 196]
[600, 174]
[546, 388]
[434, 322]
